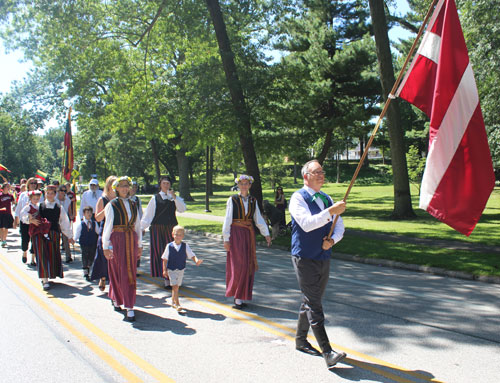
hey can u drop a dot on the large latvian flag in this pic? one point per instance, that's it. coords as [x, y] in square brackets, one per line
[3, 168]
[458, 177]
[41, 175]
[68, 149]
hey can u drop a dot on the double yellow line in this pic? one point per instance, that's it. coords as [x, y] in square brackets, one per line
[104, 355]
[374, 365]
[288, 333]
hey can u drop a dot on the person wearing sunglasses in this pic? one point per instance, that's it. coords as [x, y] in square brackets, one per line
[90, 197]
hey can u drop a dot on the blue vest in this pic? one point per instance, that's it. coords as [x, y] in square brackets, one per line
[176, 259]
[88, 237]
[308, 245]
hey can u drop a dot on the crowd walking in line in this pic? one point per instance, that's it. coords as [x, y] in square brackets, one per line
[111, 226]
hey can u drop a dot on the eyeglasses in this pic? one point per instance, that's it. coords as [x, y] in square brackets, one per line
[33, 183]
[317, 173]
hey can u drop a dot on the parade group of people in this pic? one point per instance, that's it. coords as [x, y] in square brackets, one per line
[112, 224]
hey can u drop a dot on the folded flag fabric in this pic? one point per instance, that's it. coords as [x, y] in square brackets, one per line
[3, 168]
[458, 177]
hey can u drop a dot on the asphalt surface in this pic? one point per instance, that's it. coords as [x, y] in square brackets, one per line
[395, 325]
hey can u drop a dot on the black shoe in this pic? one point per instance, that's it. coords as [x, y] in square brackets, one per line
[332, 358]
[238, 306]
[116, 308]
[168, 287]
[307, 348]
[32, 264]
[87, 277]
[25, 259]
[69, 260]
[129, 318]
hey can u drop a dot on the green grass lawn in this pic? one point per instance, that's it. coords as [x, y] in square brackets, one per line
[368, 209]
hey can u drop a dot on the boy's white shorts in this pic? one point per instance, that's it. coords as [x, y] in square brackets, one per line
[175, 277]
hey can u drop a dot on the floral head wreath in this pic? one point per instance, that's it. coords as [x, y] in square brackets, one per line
[118, 180]
[243, 177]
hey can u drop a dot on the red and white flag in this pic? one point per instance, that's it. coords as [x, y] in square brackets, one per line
[458, 177]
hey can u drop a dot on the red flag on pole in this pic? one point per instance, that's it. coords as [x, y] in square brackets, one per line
[68, 149]
[458, 177]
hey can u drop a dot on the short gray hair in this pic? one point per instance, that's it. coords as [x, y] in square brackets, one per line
[305, 168]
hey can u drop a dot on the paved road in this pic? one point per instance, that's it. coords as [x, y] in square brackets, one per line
[395, 325]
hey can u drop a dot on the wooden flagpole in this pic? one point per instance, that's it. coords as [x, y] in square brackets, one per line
[390, 96]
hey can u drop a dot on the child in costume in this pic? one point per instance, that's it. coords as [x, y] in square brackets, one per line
[174, 262]
[86, 234]
[6, 218]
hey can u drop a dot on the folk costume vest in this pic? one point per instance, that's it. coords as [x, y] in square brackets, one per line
[88, 237]
[246, 220]
[176, 259]
[122, 224]
[239, 208]
[308, 245]
[165, 212]
[52, 215]
[120, 213]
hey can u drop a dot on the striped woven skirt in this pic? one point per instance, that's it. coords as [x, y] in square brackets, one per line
[123, 267]
[48, 255]
[160, 237]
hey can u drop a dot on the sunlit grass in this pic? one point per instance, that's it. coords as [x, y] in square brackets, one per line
[369, 209]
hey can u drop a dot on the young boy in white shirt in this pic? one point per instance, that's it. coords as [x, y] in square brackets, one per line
[174, 262]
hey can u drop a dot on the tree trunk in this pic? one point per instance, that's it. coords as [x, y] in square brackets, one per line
[211, 181]
[237, 97]
[402, 196]
[326, 146]
[295, 166]
[155, 158]
[183, 165]
[191, 175]
[338, 166]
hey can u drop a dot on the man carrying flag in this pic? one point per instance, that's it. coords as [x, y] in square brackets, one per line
[458, 178]
[68, 149]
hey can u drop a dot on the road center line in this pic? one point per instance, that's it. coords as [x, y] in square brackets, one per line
[112, 362]
[134, 358]
[288, 333]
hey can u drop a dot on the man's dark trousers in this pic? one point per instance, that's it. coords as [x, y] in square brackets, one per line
[312, 276]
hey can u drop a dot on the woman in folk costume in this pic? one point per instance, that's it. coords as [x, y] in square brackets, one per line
[121, 241]
[47, 250]
[160, 214]
[23, 201]
[242, 212]
[100, 265]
